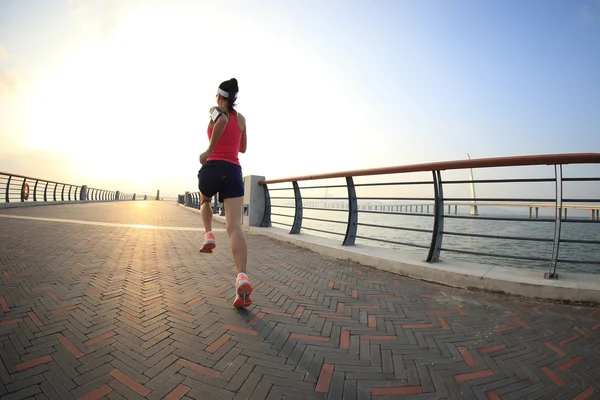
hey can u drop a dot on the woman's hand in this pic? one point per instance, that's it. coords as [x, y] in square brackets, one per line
[204, 156]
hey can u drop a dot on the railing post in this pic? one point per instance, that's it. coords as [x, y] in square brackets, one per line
[186, 199]
[352, 213]
[266, 221]
[215, 207]
[222, 209]
[297, 226]
[82, 193]
[551, 274]
[117, 195]
[438, 219]
[54, 192]
[7, 191]
[62, 193]
[35, 190]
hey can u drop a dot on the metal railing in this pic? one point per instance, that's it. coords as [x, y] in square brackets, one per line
[193, 200]
[15, 188]
[472, 236]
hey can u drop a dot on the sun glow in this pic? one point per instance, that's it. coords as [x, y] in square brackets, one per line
[113, 102]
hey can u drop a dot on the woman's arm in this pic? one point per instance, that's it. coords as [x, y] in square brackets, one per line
[244, 140]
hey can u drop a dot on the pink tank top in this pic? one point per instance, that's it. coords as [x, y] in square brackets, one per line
[228, 146]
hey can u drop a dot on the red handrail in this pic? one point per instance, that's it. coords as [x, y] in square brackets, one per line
[516, 161]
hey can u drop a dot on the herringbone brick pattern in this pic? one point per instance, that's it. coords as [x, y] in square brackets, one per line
[96, 312]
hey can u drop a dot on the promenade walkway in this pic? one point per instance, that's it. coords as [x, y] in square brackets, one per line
[93, 306]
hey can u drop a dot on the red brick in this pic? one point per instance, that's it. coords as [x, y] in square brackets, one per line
[63, 309]
[194, 300]
[522, 323]
[355, 293]
[98, 339]
[299, 312]
[460, 310]
[473, 375]
[372, 321]
[569, 340]
[396, 391]
[485, 350]
[555, 348]
[199, 368]
[376, 337]
[11, 321]
[216, 345]
[35, 319]
[3, 304]
[324, 378]
[504, 329]
[553, 376]
[240, 330]
[467, 356]
[526, 310]
[345, 339]
[97, 393]
[366, 307]
[340, 308]
[178, 312]
[492, 395]
[510, 314]
[445, 326]
[310, 337]
[130, 317]
[597, 326]
[585, 394]
[256, 319]
[177, 393]
[330, 284]
[70, 347]
[130, 383]
[582, 332]
[569, 363]
[6, 275]
[53, 296]
[593, 312]
[33, 363]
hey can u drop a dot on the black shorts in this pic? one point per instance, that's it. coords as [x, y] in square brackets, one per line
[221, 177]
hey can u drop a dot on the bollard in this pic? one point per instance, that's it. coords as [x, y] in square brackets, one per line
[84, 192]
[254, 201]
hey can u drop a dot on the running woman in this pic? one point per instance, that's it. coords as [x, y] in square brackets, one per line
[221, 173]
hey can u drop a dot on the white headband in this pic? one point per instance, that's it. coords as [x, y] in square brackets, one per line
[225, 94]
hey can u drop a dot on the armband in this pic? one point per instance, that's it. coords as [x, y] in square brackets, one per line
[216, 114]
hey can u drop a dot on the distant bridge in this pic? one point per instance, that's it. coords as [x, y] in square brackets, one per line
[427, 208]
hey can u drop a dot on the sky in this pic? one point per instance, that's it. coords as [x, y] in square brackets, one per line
[115, 94]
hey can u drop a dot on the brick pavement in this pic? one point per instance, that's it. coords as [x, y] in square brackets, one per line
[117, 312]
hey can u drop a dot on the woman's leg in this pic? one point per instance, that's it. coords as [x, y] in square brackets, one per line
[206, 212]
[239, 249]
[233, 222]
[209, 242]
